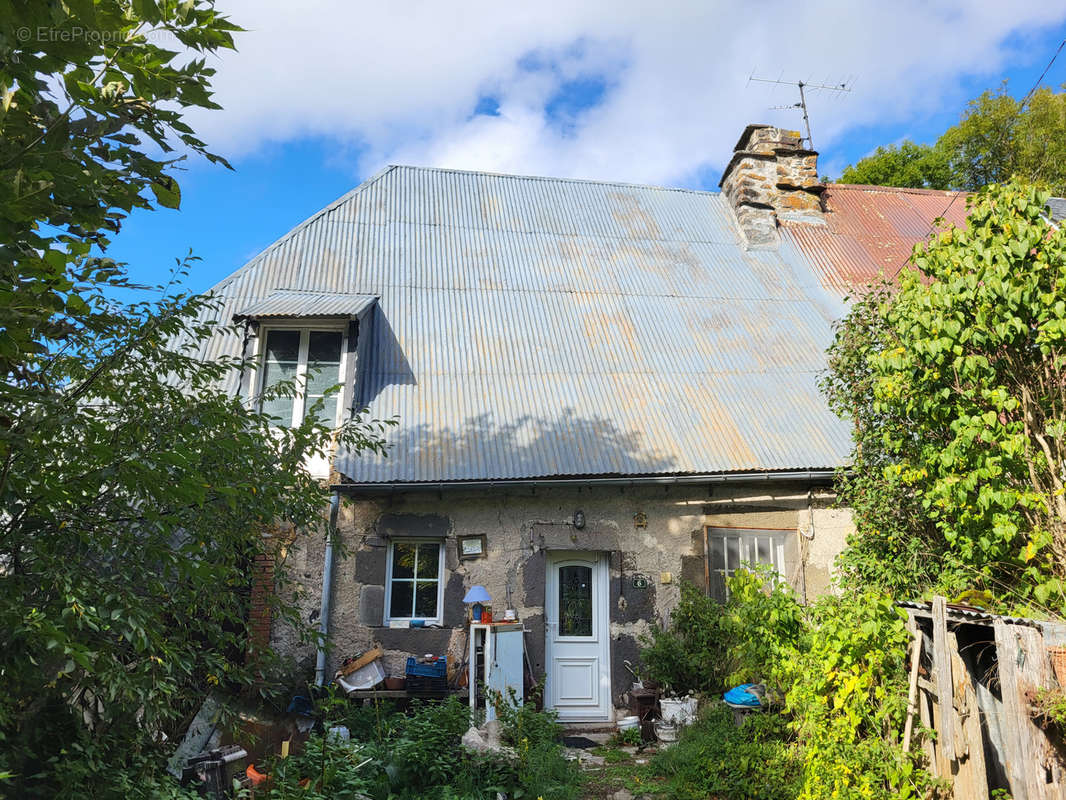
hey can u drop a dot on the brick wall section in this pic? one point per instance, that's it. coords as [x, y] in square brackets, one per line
[259, 611]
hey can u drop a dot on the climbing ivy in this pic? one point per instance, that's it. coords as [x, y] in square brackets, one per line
[956, 386]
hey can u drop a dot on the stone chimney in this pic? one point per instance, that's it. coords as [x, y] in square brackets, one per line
[769, 179]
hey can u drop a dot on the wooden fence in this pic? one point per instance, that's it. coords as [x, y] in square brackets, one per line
[973, 677]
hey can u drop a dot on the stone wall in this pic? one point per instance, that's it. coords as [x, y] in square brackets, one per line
[654, 533]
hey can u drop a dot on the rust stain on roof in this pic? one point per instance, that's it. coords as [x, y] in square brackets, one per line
[870, 231]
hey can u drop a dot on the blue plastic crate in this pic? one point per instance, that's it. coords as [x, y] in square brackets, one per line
[438, 670]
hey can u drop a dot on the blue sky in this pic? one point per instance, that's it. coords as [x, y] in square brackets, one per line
[610, 91]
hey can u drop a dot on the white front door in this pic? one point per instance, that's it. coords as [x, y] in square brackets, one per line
[578, 653]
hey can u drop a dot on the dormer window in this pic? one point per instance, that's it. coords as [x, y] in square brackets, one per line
[314, 360]
[310, 339]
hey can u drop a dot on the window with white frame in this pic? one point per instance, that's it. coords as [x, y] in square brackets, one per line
[314, 360]
[414, 585]
[730, 549]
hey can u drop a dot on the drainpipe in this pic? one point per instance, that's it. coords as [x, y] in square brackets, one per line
[327, 590]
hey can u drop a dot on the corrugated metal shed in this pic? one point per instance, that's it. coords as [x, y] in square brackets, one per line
[871, 231]
[532, 327]
[307, 304]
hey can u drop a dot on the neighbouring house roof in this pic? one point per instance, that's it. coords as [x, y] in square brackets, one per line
[1058, 208]
[536, 327]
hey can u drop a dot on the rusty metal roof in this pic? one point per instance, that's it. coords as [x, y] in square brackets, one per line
[956, 612]
[870, 231]
[534, 327]
[307, 304]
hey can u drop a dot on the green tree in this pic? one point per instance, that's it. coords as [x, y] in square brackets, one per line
[136, 498]
[135, 493]
[895, 547]
[957, 387]
[91, 107]
[906, 164]
[997, 138]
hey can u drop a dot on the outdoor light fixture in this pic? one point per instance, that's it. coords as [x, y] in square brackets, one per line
[579, 519]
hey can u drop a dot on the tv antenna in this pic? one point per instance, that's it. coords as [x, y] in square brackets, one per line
[839, 88]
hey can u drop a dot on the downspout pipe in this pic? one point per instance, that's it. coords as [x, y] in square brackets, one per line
[327, 590]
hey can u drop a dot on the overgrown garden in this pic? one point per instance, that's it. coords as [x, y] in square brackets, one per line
[954, 378]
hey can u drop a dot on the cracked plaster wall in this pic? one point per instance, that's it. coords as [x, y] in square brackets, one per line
[520, 526]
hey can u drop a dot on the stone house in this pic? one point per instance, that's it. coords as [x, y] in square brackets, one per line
[602, 390]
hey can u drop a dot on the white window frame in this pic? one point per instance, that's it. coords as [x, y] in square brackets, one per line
[747, 550]
[437, 620]
[305, 328]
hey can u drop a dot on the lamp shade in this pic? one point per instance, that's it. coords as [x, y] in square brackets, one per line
[477, 594]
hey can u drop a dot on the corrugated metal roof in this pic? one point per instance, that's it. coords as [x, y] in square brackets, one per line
[532, 327]
[290, 303]
[871, 231]
[960, 613]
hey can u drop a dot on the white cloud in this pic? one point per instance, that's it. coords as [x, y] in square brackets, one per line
[401, 79]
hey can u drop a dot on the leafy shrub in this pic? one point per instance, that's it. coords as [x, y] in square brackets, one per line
[847, 691]
[765, 623]
[427, 752]
[630, 737]
[418, 755]
[332, 769]
[680, 655]
[758, 760]
[1049, 707]
[542, 770]
[841, 665]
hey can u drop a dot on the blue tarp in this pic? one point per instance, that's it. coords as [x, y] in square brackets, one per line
[740, 696]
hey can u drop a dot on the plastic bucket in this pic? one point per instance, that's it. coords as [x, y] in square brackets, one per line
[665, 732]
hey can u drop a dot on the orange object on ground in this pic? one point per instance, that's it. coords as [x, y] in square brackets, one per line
[255, 776]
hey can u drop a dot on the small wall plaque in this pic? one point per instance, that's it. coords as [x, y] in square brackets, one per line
[640, 582]
[471, 547]
[640, 520]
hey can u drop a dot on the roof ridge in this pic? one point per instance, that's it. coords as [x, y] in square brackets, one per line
[871, 187]
[556, 179]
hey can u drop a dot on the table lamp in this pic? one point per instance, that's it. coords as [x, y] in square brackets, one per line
[479, 596]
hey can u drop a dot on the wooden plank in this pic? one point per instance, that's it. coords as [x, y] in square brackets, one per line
[706, 561]
[371, 694]
[945, 729]
[971, 778]
[926, 686]
[912, 686]
[925, 714]
[362, 661]
[1015, 738]
[1032, 672]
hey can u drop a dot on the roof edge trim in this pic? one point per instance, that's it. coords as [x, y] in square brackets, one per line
[810, 475]
[299, 226]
